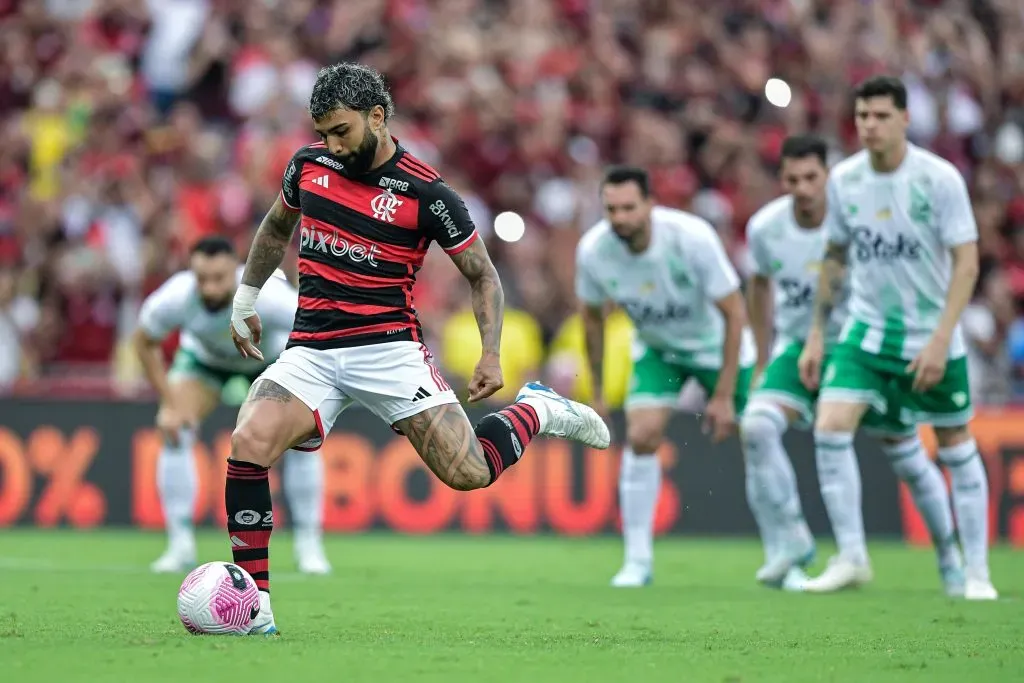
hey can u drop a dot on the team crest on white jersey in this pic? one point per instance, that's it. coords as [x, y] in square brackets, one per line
[385, 205]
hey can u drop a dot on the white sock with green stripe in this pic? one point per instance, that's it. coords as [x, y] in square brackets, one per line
[923, 477]
[639, 483]
[770, 481]
[177, 483]
[970, 501]
[839, 478]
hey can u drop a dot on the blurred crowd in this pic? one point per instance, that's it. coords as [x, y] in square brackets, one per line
[129, 128]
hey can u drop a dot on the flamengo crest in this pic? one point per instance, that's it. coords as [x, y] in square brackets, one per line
[385, 205]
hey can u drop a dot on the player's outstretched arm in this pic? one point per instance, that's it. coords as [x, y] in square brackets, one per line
[961, 288]
[265, 255]
[488, 307]
[734, 311]
[830, 283]
[593, 337]
[930, 365]
[758, 309]
[270, 244]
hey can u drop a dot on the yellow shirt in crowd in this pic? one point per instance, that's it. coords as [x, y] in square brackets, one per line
[522, 349]
[618, 359]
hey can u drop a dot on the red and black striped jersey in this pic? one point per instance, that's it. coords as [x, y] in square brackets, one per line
[362, 238]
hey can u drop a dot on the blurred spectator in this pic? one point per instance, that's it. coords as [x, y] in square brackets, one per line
[986, 321]
[568, 369]
[130, 128]
[19, 315]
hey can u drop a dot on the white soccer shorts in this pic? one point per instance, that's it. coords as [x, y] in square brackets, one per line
[393, 380]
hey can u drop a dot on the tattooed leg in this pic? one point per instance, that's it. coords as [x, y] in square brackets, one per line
[270, 421]
[464, 457]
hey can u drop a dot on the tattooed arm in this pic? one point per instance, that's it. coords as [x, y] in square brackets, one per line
[488, 298]
[270, 244]
[830, 283]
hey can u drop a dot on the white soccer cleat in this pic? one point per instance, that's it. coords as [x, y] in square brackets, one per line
[177, 559]
[633, 575]
[839, 574]
[263, 624]
[563, 418]
[775, 570]
[310, 556]
[979, 588]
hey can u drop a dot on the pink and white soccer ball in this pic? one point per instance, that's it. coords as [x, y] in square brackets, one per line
[218, 598]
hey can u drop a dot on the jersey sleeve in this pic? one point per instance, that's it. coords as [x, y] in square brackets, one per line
[445, 219]
[954, 211]
[588, 288]
[714, 267]
[290, 181]
[163, 311]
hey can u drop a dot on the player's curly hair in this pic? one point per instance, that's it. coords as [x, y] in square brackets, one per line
[353, 86]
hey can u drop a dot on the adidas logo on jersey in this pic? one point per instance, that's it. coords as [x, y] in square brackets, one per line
[321, 181]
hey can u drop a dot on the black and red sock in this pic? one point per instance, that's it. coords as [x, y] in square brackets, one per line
[250, 518]
[505, 434]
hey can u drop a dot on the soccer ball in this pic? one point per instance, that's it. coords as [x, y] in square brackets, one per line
[218, 598]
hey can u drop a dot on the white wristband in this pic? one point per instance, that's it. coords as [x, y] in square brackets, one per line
[243, 306]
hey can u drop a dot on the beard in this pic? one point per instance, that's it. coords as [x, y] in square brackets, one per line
[360, 160]
[631, 231]
[214, 305]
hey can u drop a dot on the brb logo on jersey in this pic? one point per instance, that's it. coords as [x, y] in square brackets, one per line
[871, 246]
[796, 294]
[385, 205]
[333, 244]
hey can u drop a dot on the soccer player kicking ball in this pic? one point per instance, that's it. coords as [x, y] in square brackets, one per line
[900, 220]
[367, 211]
[198, 303]
[669, 271]
[786, 240]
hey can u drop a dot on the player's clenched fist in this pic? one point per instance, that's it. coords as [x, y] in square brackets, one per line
[487, 378]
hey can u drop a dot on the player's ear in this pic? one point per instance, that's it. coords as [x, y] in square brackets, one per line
[376, 117]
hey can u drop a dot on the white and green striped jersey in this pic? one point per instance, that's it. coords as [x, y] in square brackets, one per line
[669, 291]
[900, 227]
[790, 256]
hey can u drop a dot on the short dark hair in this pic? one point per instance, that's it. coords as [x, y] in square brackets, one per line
[883, 86]
[213, 245]
[620, 175]
[353, 86]
[803, 146]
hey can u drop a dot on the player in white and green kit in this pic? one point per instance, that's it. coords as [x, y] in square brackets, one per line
[901, 221]
[786, 239]
[669, 271]
[198, 303]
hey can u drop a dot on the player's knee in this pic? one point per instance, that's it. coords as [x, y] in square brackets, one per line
[643, 439]
[837, 417]
[909, 461]
[758, 426]
[948, 437]
[251, 443]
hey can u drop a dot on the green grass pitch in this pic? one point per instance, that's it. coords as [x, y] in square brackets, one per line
[81, 607]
